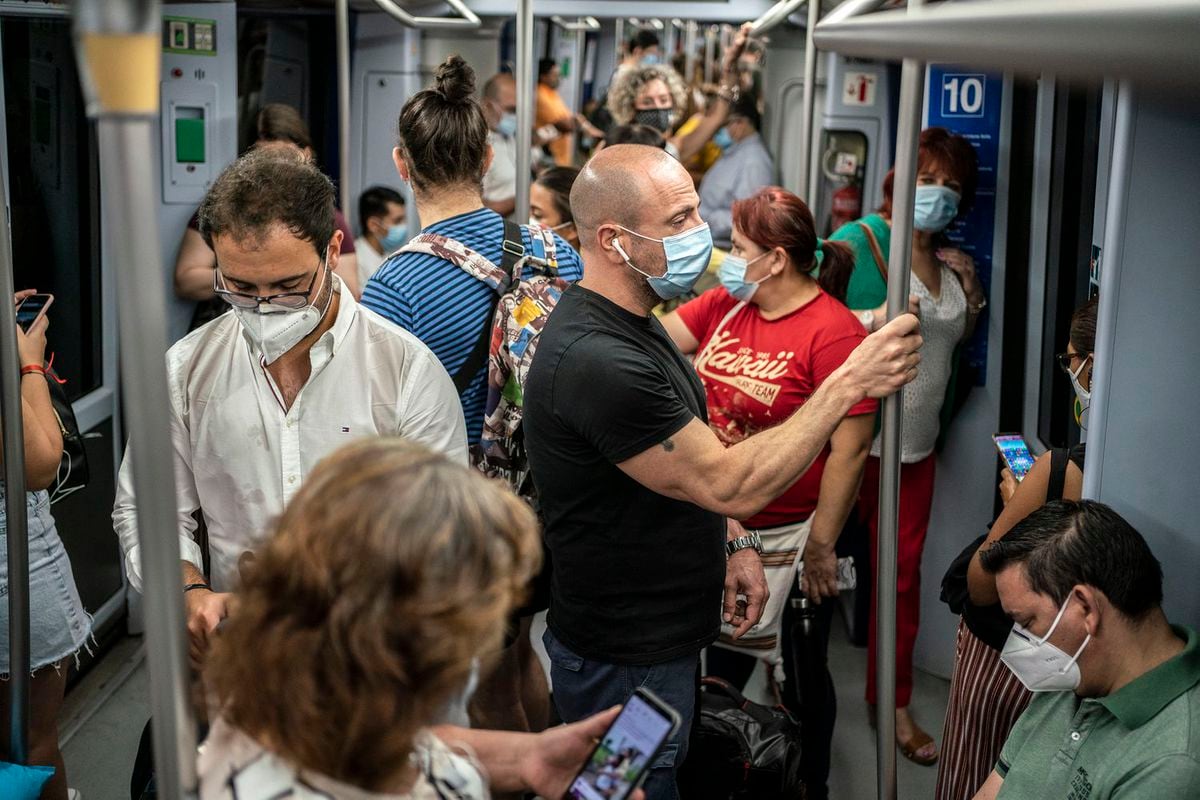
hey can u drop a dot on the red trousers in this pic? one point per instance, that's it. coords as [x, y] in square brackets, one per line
[916, 500]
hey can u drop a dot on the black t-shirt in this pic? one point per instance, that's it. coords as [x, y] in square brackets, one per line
[637, 576]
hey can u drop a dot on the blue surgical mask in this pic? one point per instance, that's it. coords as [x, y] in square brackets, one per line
[722, 139]
[732, 274]
[934, 208]
[687, 258]
[651, 59]
[394, 238]
[507, 126]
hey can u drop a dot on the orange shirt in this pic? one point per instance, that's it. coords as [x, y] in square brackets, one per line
[550, 110]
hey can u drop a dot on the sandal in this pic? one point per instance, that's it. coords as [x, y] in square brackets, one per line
[920, 741]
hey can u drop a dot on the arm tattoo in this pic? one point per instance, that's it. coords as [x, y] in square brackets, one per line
[668, 445]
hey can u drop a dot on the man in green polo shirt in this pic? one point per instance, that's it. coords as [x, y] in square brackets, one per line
[1117, 714]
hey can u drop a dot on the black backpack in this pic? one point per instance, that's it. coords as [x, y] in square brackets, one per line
[741, 750]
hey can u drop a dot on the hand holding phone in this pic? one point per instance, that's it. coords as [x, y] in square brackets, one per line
[1015, 453]
[626, 750]
[32, 308]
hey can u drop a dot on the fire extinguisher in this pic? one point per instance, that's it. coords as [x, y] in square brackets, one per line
[844, 172]
[846, 205]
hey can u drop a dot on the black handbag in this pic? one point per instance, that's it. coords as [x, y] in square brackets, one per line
[740, 749]
[73, 473]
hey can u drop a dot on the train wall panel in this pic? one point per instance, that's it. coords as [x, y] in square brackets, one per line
[1143, 456]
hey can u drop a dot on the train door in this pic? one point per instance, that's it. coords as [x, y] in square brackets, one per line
[52, 193]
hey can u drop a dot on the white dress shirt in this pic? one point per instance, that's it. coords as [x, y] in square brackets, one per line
[369, 260]
[239, 457]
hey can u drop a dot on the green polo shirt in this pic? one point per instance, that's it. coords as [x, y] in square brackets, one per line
[1142, 741]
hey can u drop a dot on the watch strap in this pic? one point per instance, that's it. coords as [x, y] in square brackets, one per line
[752, 539]
[191, 586]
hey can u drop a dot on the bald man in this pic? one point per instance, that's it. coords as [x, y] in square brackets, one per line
[635, 489]
[500, 110]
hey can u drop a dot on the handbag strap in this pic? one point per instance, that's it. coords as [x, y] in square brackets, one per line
[876, 250]
[1058, 474]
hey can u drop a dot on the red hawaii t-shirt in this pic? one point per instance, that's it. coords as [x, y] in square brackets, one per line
[757, 372]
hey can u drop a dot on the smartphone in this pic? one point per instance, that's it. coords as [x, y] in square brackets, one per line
[626, 750]
[1015, 453]
[31, 308]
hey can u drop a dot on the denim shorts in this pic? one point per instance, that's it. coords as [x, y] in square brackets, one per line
[58, 624]
[582, 687]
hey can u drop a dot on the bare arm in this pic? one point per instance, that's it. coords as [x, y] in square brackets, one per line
[849, 447]
[194, 267]
[990, 788]
[39, 425]
[740, 480]
[679, 333]
[502, 207]
[1029, 496]
[717, 112]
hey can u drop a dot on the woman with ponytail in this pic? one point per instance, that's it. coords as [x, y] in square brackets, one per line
[764, 341]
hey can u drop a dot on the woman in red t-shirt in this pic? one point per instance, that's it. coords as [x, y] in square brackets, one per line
[764, 341]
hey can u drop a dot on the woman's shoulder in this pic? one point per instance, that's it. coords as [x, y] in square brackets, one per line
[853, 231]
[446, 772]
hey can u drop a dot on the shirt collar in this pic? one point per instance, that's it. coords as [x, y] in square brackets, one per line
[332, 339]
[1137, 702]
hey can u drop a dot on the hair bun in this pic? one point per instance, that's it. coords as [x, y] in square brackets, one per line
[454, 79]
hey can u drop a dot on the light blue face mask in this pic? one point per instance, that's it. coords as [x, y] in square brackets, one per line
[651, 59]
[394, 238]
[934, 207]
[722, 139]
[507, 126]
[732, 274]
[687, 258]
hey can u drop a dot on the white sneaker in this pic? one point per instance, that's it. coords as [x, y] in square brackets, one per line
[73, 794]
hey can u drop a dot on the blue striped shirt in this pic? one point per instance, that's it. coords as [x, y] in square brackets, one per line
[445, 307]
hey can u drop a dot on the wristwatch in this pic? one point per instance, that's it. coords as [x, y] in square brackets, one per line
[743, 542]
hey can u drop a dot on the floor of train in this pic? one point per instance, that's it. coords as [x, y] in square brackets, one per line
[104, 715]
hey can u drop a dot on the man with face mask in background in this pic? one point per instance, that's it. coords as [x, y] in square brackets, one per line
[634, 487]
[500, 111]
[381, 217]
[1116, 710]
[298, 369]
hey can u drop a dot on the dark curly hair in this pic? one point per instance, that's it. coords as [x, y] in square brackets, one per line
[442, 131]
[265, 188]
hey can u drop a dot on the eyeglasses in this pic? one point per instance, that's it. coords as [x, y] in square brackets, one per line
[244, 300]
[1065, 359]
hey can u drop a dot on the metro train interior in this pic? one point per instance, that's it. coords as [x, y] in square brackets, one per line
[1087, 187]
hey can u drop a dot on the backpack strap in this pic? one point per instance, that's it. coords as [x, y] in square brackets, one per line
[513, 250]
[876, 250]
[1058, 474]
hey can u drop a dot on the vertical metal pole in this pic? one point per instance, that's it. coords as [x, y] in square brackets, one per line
[908, 131]
[710, 52]
[14, 502]
[525, 105]
[689, 46]
[342, 30]
[119, 45]
[1116, 208]
[807, 101]
[577, 56]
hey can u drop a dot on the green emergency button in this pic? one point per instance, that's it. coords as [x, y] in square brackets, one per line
[189, 141]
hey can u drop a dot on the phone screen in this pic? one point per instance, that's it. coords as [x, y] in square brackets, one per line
[1015, 453]
[623, 754]
[29, 309]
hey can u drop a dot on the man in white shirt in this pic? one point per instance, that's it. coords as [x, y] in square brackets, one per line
[381, 219]
[500, 110]
[260, 395]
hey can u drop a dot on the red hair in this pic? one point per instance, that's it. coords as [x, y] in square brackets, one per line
[774, 217]
[939, 147]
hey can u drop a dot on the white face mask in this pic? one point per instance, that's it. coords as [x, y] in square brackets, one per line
[274, 330]
[1083, 397]
[1039, 665]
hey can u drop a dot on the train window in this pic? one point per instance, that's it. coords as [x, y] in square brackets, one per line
[1075, 157]
[54, 192]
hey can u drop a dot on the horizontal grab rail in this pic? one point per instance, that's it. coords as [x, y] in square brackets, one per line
[468, 18]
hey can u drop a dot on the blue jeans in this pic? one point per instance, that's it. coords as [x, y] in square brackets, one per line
[583, 687]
